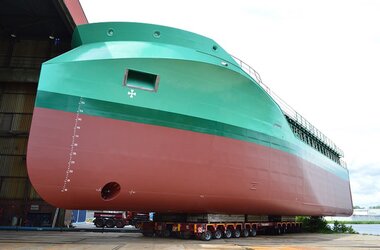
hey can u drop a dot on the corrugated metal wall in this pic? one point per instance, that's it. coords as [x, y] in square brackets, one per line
[16, 108]
[20, 63]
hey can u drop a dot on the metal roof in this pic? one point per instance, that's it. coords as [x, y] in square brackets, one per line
[31, 19]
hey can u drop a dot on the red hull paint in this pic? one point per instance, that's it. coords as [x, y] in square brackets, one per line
[170, 170]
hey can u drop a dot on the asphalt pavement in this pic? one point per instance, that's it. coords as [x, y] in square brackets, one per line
[134, 240]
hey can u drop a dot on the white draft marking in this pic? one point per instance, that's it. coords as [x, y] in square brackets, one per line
[132, 93]
[73, 146]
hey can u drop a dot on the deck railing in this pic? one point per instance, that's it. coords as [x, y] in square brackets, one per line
[289, 111]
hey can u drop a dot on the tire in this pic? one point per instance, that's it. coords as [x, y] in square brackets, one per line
[185, 235]
[138, 225]
[148, 234]
[278, 231]
[99, 222]
[119, 224]
[236, 233]
[253, 232]
[206, 236]
[228, 234]
[110, 223]
[166, 233]
[245, 233]
[218, 234]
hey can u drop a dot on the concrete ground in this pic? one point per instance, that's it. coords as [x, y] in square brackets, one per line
[116, 241]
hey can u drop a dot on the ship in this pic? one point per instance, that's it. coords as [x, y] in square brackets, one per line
[144, 117]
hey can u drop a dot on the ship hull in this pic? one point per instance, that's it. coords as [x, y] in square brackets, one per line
[149, 118]
[171, 170]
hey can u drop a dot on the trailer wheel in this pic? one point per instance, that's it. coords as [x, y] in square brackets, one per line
[218, 234]
[185, 235]
[253, 232]
[99, 222]
[206, 236]
[236, 233]
[228, 234]
[120, 224]
[166, 233]
[148, 234]
[245, 233]
[110, 223]
[278, 231]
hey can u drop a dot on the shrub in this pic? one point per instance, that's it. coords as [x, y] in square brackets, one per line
[317, 224]
[342, 228]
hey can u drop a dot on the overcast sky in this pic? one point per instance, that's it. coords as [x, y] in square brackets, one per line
[322, 57]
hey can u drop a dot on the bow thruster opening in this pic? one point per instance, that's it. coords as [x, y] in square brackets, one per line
[110, 190]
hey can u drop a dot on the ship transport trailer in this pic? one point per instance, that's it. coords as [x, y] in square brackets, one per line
[219, 226]
[119, 219]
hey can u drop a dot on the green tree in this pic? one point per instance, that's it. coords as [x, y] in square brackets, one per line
[358, 207]
[375, 207]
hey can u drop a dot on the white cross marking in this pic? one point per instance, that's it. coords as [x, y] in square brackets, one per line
[131, 93]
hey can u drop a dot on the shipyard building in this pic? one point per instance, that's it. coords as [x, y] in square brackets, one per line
[31, 32]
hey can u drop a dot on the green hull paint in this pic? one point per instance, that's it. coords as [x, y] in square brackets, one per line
[196, 92]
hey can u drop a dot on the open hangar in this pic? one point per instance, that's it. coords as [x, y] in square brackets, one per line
[31, 32]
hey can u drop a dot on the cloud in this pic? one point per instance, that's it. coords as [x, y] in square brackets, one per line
[365, 184]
